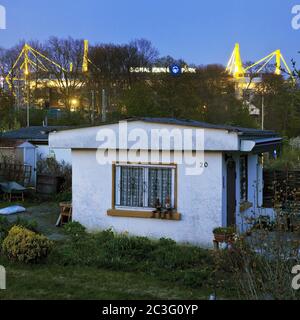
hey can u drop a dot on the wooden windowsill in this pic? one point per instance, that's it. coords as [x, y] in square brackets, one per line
[245, 206]
[142, 214]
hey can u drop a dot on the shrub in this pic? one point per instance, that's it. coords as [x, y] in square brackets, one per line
[50, 166]
[31, 225]
[5, 226]
[65, 196]
[127, 253]
[260, 267]
[75, 229]
[25, 246]
[163, 242]
[165, 259]
[104, 236]
[82, 251]
[179, 257]
[263, 223]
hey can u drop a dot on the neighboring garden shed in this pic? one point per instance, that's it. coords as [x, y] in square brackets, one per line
[39, 137]
[26, 146]
[122, 180]
[17, 152]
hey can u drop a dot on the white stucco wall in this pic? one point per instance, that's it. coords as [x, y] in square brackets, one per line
[199, 201]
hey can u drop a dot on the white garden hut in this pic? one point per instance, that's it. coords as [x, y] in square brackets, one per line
[204, 175]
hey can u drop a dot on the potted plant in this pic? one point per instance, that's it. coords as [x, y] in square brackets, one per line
[224, 234]
[158, 210]
[168, 209]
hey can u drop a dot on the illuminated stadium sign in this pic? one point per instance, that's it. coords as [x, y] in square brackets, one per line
[174, 69]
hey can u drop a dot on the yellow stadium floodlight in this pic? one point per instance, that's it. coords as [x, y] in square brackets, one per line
[85, 64]
[26, 60]
[278, 62]
[235, 64]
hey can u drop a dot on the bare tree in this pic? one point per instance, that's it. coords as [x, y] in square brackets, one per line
[67, 70]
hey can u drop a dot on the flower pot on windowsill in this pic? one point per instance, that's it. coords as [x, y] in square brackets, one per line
[169, 214]
[156, 215]
[223, 237]
[224, 234]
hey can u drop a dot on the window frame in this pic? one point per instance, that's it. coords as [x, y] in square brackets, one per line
[117, 177]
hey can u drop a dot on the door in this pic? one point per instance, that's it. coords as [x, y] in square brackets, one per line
[231, 193]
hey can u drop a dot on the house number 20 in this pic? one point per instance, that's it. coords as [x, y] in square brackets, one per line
[203, 164]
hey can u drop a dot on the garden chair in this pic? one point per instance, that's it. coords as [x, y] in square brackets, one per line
[65, 215]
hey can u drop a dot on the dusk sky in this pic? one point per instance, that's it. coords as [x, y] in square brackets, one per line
[200, 32]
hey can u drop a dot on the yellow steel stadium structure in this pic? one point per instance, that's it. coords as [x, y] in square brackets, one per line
[31, 60]
[238, 71]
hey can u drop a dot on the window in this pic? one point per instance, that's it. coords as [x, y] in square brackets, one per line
[244, 178]
[143, 186]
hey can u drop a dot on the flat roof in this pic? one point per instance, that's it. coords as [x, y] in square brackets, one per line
[35, 133]
[246, 132]
[206, 125]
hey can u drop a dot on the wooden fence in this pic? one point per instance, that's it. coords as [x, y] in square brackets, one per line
[281, 187]
[16, 172]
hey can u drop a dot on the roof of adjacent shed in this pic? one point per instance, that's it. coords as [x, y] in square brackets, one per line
[10, 143]
[37, 133]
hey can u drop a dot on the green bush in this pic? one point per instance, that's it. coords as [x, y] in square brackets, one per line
[5, 226]
[75, 229]
[104, 236]
[31, 225]
[84, 251]
[165, 259]
[25, 246]
[194, 278]
[65, 196]
[287, 160]
[163, 242]
[179, 257]
[127, 253]
[82, 248]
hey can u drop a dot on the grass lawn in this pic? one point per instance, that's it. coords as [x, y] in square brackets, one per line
[56, 282]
